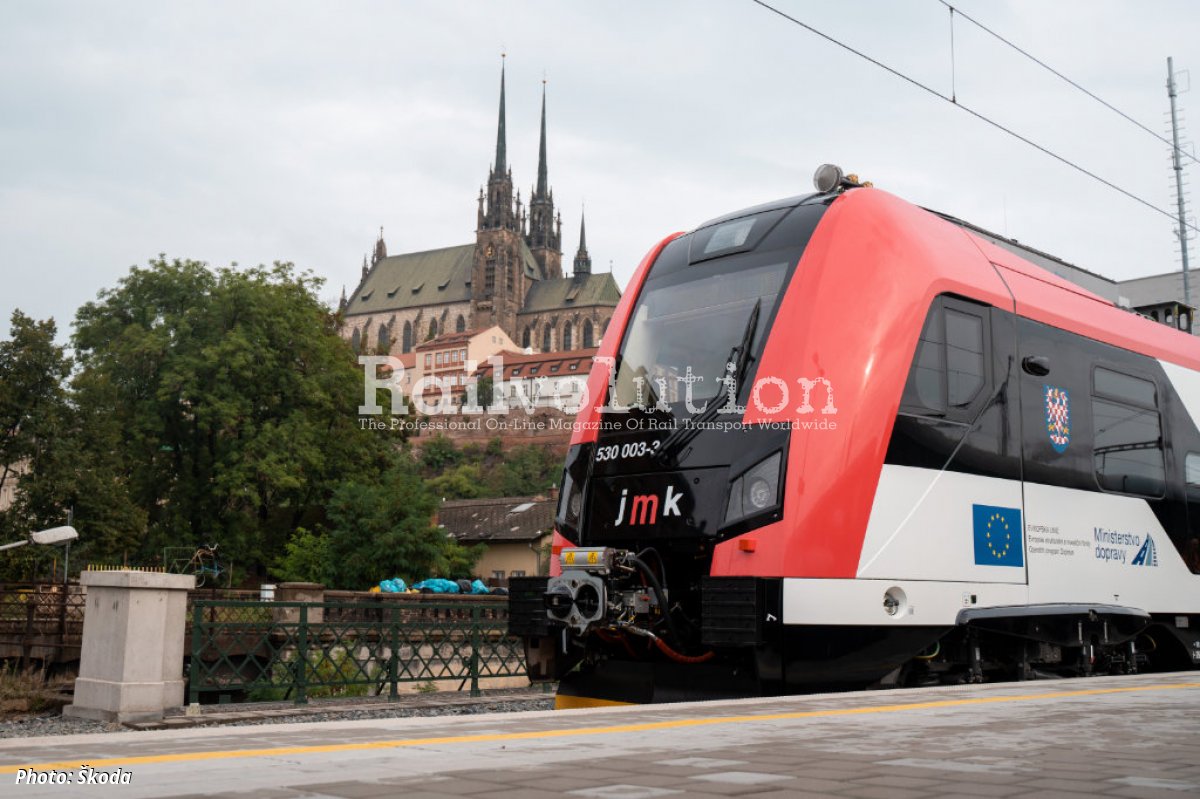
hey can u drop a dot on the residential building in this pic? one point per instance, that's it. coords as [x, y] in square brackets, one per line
[515, 530]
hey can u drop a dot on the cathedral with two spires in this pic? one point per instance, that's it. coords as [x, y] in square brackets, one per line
[511, 276]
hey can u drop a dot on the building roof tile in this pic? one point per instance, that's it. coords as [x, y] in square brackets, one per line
[499, 519]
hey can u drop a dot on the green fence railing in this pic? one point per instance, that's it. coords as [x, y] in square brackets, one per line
[300, 650]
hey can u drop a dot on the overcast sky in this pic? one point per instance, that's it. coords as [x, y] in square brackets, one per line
[263, 131]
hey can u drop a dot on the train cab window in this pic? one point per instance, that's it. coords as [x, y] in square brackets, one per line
[949, 367]
[964, 356]
[1127, 435]
[929, 367]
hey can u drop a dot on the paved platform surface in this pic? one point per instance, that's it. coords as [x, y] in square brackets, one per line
[1121, 736]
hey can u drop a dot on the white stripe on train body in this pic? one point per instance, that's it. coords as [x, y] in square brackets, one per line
[1080, 547]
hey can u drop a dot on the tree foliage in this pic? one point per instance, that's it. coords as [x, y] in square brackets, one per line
[32, 397]
[492, 471]
[34, 413]
[230, 397]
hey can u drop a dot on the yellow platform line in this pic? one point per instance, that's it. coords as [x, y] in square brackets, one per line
[184, 757]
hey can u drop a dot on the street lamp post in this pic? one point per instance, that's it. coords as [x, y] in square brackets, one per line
[55, 535]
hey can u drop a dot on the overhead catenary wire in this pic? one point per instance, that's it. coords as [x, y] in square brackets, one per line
[1056, 73]
[981, 117]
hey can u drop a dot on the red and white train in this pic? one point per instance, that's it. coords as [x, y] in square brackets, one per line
[840, 440]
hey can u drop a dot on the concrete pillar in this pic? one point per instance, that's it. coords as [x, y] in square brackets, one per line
[298, 592]
[131, 663]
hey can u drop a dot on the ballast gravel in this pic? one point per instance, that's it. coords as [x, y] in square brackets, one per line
[250, 714]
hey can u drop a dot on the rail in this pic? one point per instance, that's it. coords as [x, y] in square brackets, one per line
[298, 650]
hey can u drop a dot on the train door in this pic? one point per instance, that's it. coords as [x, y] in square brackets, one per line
[1102, 489]
[949, 500]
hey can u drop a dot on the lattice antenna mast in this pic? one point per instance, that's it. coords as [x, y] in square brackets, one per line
[1180, 198]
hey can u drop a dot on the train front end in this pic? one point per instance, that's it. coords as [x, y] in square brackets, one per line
[665, 470]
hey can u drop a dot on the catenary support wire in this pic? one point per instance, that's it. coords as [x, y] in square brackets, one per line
[1056, 73]
[981, 117]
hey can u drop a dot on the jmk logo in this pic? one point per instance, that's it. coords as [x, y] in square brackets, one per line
[1147, 555]
[643, 508]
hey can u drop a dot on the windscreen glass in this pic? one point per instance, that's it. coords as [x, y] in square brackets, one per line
[694, 311]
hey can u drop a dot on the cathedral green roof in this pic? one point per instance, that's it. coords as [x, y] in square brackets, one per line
[565, 293]
[415, 279]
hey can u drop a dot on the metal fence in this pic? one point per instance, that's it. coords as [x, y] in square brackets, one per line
[41, 622]
[298, 650]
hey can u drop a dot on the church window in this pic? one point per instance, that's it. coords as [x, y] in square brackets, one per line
[588, 334]
[385, 339]
[408, 337]
[525, 337]
[433, 328]
[489, 278]
[460, 326]
[546, 338]
[566, 339]
[509, 277]
[356, 339]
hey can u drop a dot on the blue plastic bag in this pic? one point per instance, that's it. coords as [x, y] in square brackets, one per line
[437, 585]
[478, 587]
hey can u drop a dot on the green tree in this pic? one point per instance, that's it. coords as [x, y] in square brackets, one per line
[461, 482]
[34, 413]
[385, 529]
[223, 403]
[526, 470]
[305, 559]
[32, 394]
[439, 453]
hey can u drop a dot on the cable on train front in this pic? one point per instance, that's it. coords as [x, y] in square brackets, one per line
[662, 470]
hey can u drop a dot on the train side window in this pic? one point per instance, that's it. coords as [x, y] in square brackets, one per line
[1128, 389]
[964, 356]
[1191, 469]
[1127, 435]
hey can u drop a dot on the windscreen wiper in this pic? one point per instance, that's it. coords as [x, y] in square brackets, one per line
[739, 356]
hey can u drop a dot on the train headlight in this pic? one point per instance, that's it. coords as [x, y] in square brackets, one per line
[827, 178]
[755, 491]
[569, 514]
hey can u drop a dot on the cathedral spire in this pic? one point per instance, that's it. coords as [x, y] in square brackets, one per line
[380, 249]
[543, 239]
[542, 179]
[583, 261]
[501, 142]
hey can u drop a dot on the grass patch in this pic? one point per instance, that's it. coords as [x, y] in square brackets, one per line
[25, 691]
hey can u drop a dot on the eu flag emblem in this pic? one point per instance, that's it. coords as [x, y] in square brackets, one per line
[998, 536]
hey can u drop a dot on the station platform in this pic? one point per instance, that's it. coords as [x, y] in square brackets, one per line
[1133, 736]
